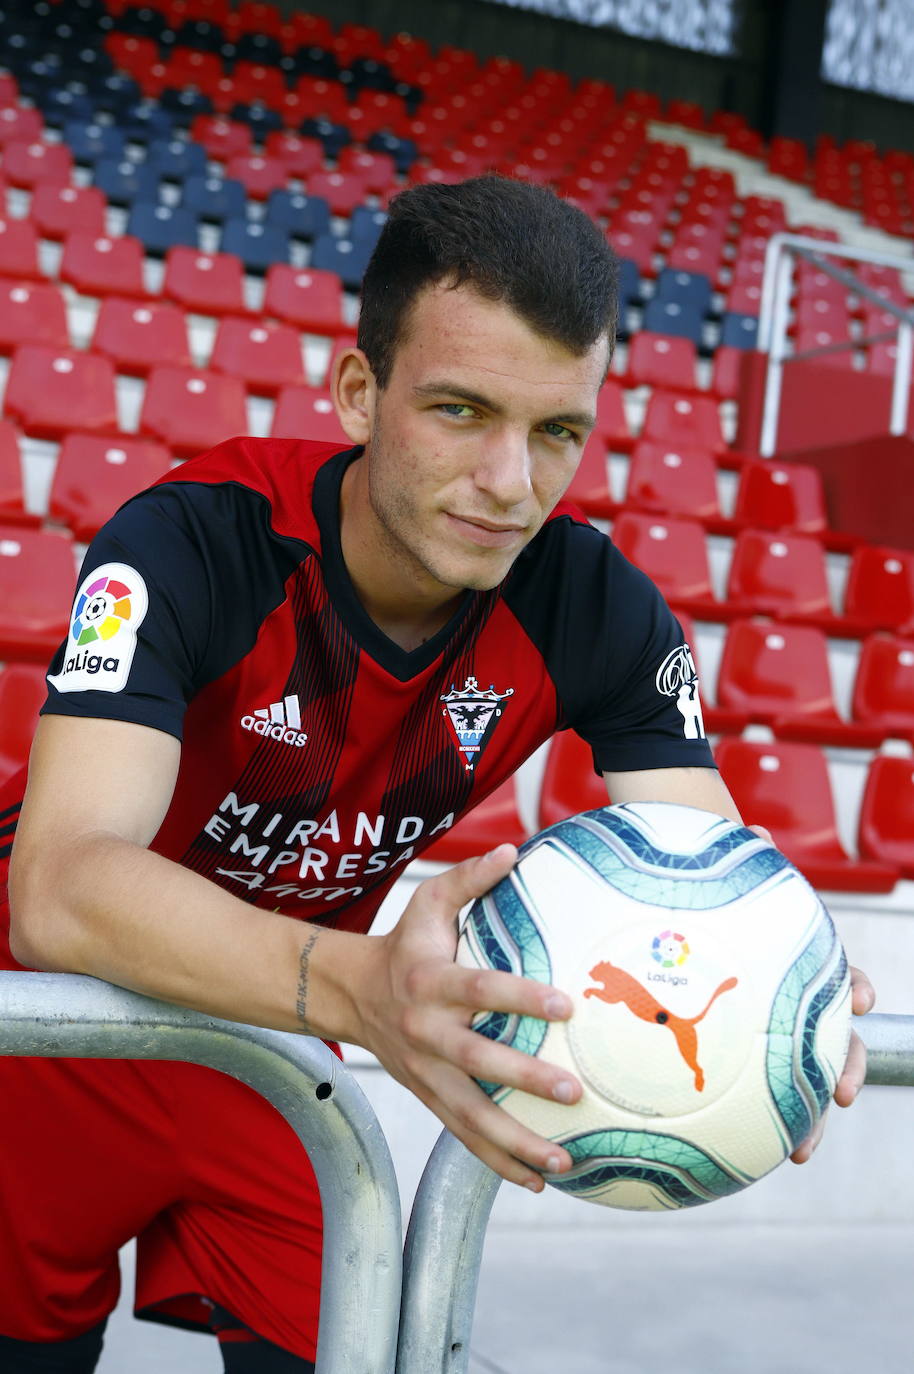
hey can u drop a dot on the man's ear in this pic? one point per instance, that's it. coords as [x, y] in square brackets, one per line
[353, 390]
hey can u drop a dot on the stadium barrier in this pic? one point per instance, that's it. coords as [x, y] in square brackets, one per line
[450, 1213]
[71, 1016]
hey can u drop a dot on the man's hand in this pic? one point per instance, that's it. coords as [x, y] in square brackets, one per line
[863, 998]
[416, 1019]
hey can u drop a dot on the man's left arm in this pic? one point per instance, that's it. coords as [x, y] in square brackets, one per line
[706, 789]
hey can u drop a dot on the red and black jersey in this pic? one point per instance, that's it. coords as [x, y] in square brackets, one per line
[318, 756]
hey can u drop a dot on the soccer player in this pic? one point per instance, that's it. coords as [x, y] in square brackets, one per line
[288, 669]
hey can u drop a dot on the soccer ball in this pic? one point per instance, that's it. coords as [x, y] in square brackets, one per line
[711, 1000]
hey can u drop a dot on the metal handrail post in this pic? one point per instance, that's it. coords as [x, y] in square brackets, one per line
[901, 382]
[70, 1016]
[446, 1232]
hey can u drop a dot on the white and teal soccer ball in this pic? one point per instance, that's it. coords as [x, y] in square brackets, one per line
[711, 1000]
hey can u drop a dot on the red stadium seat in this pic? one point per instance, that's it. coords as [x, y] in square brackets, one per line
[192, 410]
[139, 335]
[886, 825]
[689, 421]
[23, 690]
[880, 588]
[209, 283]
[32, 312]
[52, 390]
[222, 138]
[103, 265]
[612, 426]
[300, 156]
[57, 211]
[773, 495]
[884, 685]
[37, 576]
[260, 176]
[589, 487]
[376, 171]
[780, 574]
[570, 783]
[726, 372]
[305, 412]
[661, 360]
[778, 675]
[30, 163]
[309, 298]
[342, 191]
[494, 821]
[676, 481]
[12, 503]
[786, 787]
[95, 475]
[20, 124]
[19, 248]
[673, 552]
[265, 357]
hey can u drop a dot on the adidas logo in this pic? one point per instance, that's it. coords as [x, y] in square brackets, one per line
[280, 721]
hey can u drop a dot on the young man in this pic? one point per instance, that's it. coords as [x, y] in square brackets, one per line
[250, 721]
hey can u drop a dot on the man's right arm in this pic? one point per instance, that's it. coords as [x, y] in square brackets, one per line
[87, 895]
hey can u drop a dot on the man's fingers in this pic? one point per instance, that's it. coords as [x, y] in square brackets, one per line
[854, 1073]
[491, 1062]
[466, 881]
[863, 994]
[807, 1148]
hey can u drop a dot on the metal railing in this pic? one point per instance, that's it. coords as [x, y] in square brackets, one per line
[70, 1016]
[774, 319]
[451, 1211]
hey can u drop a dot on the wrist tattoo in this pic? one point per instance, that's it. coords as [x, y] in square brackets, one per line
[301, 997]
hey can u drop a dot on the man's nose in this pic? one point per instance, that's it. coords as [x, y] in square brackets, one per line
[504, 469]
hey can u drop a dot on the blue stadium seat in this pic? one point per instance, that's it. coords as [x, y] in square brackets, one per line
[116, 95]
[312, 60]
[258, 47]
[123, 181]
[176, 158]
[60, 105]
[161, 227]
[305, 217]
[261, 119]
[739, 331]
[679, 318]
[185, 104]
[348, 259]
[144, 123]
[257, 245]
[88, 142]
[403, 150]
[214, 198]
[202, 34]
[686, 288]
[365, 225]
[333, 136]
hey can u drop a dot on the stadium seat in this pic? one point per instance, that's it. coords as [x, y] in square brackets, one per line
[880, 588]
[19, 248]
[883, 694]
[32, 312]
[257, 245]
[192, 410]
[495, 820]
[886, 824]
[778, 675]
[691, 289]
[674, 481]
[222, 138]
[12, 498]
[678, 318]
[260, 176]
[341, 190]
[689, 421]
[30, 164]
[304, 217]
[23, 691]
[52, 390]
[738, 330]
[305, 297]
[20, 123]
[176, 158]
[305, 412]
[57, 211]
[160, 227]
[589, 487]
[674, 554]
[37, 576]
[95, 475]
[774, 495]
[213, 198]
[661, 360]
[89, 141]
[102, 266]
[346, 257]
[780, 574]
[727, 372]
[265, 357]
[612, 425]
[570, 783]
[207, 283]
[138, 335]
[786, 788]
[300, 156]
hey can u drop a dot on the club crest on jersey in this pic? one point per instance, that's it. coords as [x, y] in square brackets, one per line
[471, 714]
[677, 677]
[109, 609]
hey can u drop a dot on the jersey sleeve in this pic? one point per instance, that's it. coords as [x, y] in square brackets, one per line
[163, 605]
[624, 676]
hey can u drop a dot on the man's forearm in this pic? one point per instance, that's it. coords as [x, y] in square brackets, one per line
[113, 909]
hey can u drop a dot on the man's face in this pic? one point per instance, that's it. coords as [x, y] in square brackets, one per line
[474, 439]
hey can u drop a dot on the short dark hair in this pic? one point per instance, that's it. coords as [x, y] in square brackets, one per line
[511, 241]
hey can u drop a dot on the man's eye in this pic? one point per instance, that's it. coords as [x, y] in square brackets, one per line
[556, 431]
[457, 408]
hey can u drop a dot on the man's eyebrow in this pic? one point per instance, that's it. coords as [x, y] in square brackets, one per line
[583, 419]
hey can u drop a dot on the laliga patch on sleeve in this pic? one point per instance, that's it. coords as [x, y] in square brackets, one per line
[108, 610]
